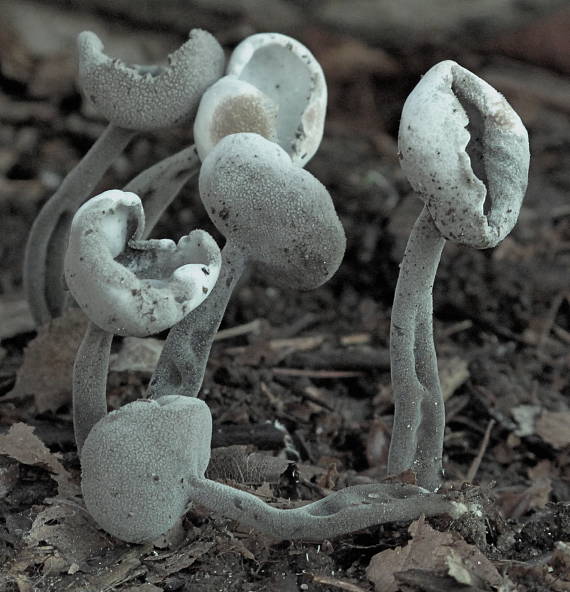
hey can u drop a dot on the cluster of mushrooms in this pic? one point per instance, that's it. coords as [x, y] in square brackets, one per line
[464, 151]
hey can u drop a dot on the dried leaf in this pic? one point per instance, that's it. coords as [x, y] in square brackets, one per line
[126, 568]
[21, 444]
[329, 479]
[554, 427]
[169, 563]
[560, 560]
[48, 362]
[70, 530]
[453, 372]
[542, 470]
[540, 577]
[515, 502]
[337, 584]
[137, 355]
[9, 474]
[432, 550]
[15, 317]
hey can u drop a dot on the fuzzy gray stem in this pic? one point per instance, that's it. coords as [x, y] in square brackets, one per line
[90, 381]
[47, 242]
[182, 364]
[342, 512]
[158, 185]
[419, 418]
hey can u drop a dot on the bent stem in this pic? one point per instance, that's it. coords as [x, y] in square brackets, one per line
[342, 512]
[90, 381]
[419, 417]
[158, 185]
[182, 364]
[47, 242]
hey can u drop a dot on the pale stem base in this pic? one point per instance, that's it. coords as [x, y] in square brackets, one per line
[90, 381]
[341, 512]
[419, 418]
[47, 242]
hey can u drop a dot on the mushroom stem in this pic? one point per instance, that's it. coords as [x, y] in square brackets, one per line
[47, 242]
[90, 381]
[158, 185]
[419, 418]
[180, 369]
[341, 512]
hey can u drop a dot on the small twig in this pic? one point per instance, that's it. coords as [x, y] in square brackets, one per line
[550, 320]
[265, 436]
[356, 339]
[561, 333]
[313, 394]
[254, 327]
[316, 373]
[334, 583]
[456, 328]
[477, 460]
[294, 343]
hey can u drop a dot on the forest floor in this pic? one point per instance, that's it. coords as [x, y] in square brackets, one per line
[299, 383]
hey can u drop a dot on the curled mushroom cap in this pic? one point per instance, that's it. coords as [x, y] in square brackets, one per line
[149, 97]
[465, 152]
[231, 106]
[135, 481]
[279, 215]
[131, 287]
[291, 88]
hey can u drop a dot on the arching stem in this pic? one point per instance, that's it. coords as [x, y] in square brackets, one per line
[419, 418]
[341, 512]
[182, 364]
[90, 381]
[45, 249]
[158, 185]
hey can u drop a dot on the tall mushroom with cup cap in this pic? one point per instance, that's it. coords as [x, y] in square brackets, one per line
[132, 98]
[273, 214]
[465, 152]
[273, 87]
[145, 462]
[127, 286]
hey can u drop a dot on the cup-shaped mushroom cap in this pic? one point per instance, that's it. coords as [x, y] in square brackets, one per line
[465, 152]
[149, 97]
[231, 106]
[277, 213]
[133, 287]
[287, 72]
[139, 462]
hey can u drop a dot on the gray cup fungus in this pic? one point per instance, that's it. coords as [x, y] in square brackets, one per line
[465, 152]
[274, 87]
[144, 463]
[135, 481]
[131, 287]
[149, 97]
[279, 215]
